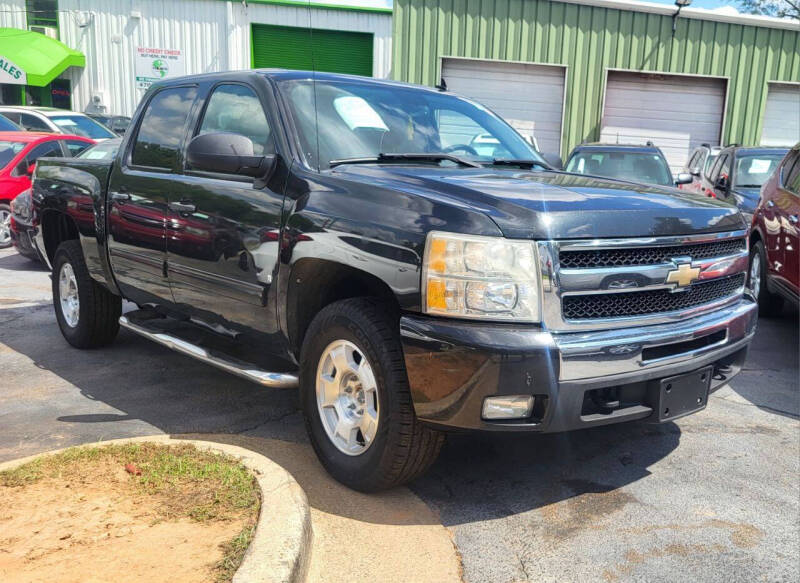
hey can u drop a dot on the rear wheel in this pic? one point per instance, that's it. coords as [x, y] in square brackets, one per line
[768, 304]
[5, 226]
[87, 313]
[356, 401]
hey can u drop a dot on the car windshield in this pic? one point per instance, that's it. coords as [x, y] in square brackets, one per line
[103, 151]
[752, 171]
[363, 120]
[6, 125]
[81, 125]
[9, 149]
[634, 166]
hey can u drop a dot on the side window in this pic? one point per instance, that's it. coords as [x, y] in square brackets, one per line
[693, 161]
[75, 147]
[47, 150]
[33, 123]
[717, 165]
[725, 167]
[162, 129]
[13, 116]
[791, 173]
[236, 109]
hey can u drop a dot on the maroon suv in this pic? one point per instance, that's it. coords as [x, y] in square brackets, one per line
[775, 238]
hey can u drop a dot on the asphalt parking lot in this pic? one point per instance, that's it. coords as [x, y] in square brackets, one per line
[711, 497]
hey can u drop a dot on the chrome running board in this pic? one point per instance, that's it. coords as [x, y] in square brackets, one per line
[277, 380]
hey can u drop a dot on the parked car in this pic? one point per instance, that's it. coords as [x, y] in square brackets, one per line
[739, 173]
[775, 238]
[24, 220]
[6, 125]
[357, 248]
[624, 162]
[58, 121]
[116, 123]
[19, 152]
[698, 165]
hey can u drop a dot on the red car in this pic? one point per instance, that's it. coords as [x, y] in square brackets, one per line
[775, 238]
[18, 154]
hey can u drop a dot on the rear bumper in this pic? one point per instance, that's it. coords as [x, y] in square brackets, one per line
[454, 365]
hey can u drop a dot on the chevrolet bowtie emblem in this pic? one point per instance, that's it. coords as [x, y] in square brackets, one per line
[684, 275]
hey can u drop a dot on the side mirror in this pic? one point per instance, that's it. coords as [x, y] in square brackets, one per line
[554, 160]
[694, 171]
[722, 184]
[684, 178]
[31, 168]
[227, 153]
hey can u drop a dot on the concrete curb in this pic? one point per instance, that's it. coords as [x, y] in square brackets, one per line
[281, 547]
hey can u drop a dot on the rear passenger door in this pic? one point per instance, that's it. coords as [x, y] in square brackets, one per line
[787, 207]
[223, 234]
[142, 181]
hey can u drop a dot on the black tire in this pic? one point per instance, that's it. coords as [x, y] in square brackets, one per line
[769, 305]
[6, 211]
[403, 448]
[99, 310]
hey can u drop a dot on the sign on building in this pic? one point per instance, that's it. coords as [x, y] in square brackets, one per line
[156, 64]
[11, 73]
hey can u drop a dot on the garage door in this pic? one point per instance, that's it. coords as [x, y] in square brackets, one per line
[676, 113]
[335, 51]
[782, 116]
[529, 97]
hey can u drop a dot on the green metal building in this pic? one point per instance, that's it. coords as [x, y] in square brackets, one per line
[567, 71]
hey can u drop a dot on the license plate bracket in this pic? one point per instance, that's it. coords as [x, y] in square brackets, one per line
[684, 394]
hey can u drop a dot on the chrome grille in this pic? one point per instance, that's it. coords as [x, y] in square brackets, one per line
[637, 303]
[648, 255]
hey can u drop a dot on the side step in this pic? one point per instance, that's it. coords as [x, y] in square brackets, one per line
[277, 380]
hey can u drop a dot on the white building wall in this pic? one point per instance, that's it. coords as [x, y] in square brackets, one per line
[214, 35]
[12, 14]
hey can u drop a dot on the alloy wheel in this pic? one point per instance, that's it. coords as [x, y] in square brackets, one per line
[68, 295]
[5, 227]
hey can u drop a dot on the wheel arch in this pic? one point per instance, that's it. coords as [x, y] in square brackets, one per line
[57, 227]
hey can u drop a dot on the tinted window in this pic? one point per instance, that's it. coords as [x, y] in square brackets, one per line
[694, 161]
[33, 123]
[50, 149]
[725, 167]
[236, 109]
[715, 170]
[635, 166]
[81, 125]
[9, 149]
[791, 172]
[710, 159]
[754, 171]
[6, 125]
[75, 147]
[163, 127]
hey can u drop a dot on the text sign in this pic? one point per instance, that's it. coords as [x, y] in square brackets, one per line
[11, 73]
[156, 64]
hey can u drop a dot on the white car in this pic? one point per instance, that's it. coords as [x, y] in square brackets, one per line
[58, 121]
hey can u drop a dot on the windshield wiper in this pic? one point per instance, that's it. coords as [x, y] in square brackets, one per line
[521, 163]
[410, 157]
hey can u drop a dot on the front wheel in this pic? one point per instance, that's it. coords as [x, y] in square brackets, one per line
[356, 401]
[768, 304]
[87, 313]
[5, 226]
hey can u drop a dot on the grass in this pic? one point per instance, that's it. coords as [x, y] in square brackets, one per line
[188, 482]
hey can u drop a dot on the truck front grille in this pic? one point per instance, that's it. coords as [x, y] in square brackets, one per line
[620, 305]
[582, 259]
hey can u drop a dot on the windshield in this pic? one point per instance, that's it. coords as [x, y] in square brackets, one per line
[6, 125]
[755, 170]
[9, 149]
[103, 151]
[81, 125]
[634, 166]
[363, 120]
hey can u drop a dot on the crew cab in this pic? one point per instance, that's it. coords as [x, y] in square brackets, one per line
[343, 236]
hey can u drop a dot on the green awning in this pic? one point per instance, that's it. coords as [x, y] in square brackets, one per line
[40, 58]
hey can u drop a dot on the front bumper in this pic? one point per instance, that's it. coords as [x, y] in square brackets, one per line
[454, 365]
[22, 236]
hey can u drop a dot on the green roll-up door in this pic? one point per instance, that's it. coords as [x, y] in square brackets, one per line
[335, 51]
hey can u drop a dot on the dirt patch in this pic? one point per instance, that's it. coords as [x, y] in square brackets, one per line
[138, 512]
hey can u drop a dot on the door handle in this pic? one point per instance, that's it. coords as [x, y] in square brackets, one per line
[182, 207]
[120, 196]
[770, 204]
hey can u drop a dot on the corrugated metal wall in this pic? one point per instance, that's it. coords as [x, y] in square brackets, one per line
[214, 35]
[591, 39]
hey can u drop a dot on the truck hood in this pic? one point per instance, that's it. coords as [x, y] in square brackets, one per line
[558, 205]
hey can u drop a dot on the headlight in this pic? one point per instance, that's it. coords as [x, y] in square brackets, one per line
[22, 206]
[490, 278]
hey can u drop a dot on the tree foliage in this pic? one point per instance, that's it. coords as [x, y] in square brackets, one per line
[779, 8]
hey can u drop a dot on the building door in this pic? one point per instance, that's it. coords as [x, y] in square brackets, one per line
[674, 112]
[529, 97]
[781, 115]
[334, 51]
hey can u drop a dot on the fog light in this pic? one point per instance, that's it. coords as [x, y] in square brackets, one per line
[507, 407]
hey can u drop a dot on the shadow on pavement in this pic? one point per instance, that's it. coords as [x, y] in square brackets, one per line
[16, 262]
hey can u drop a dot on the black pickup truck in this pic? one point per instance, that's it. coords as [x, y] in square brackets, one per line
[402, 256]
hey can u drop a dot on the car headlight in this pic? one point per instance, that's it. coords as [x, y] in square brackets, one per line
[489, 278]
[22, 206]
